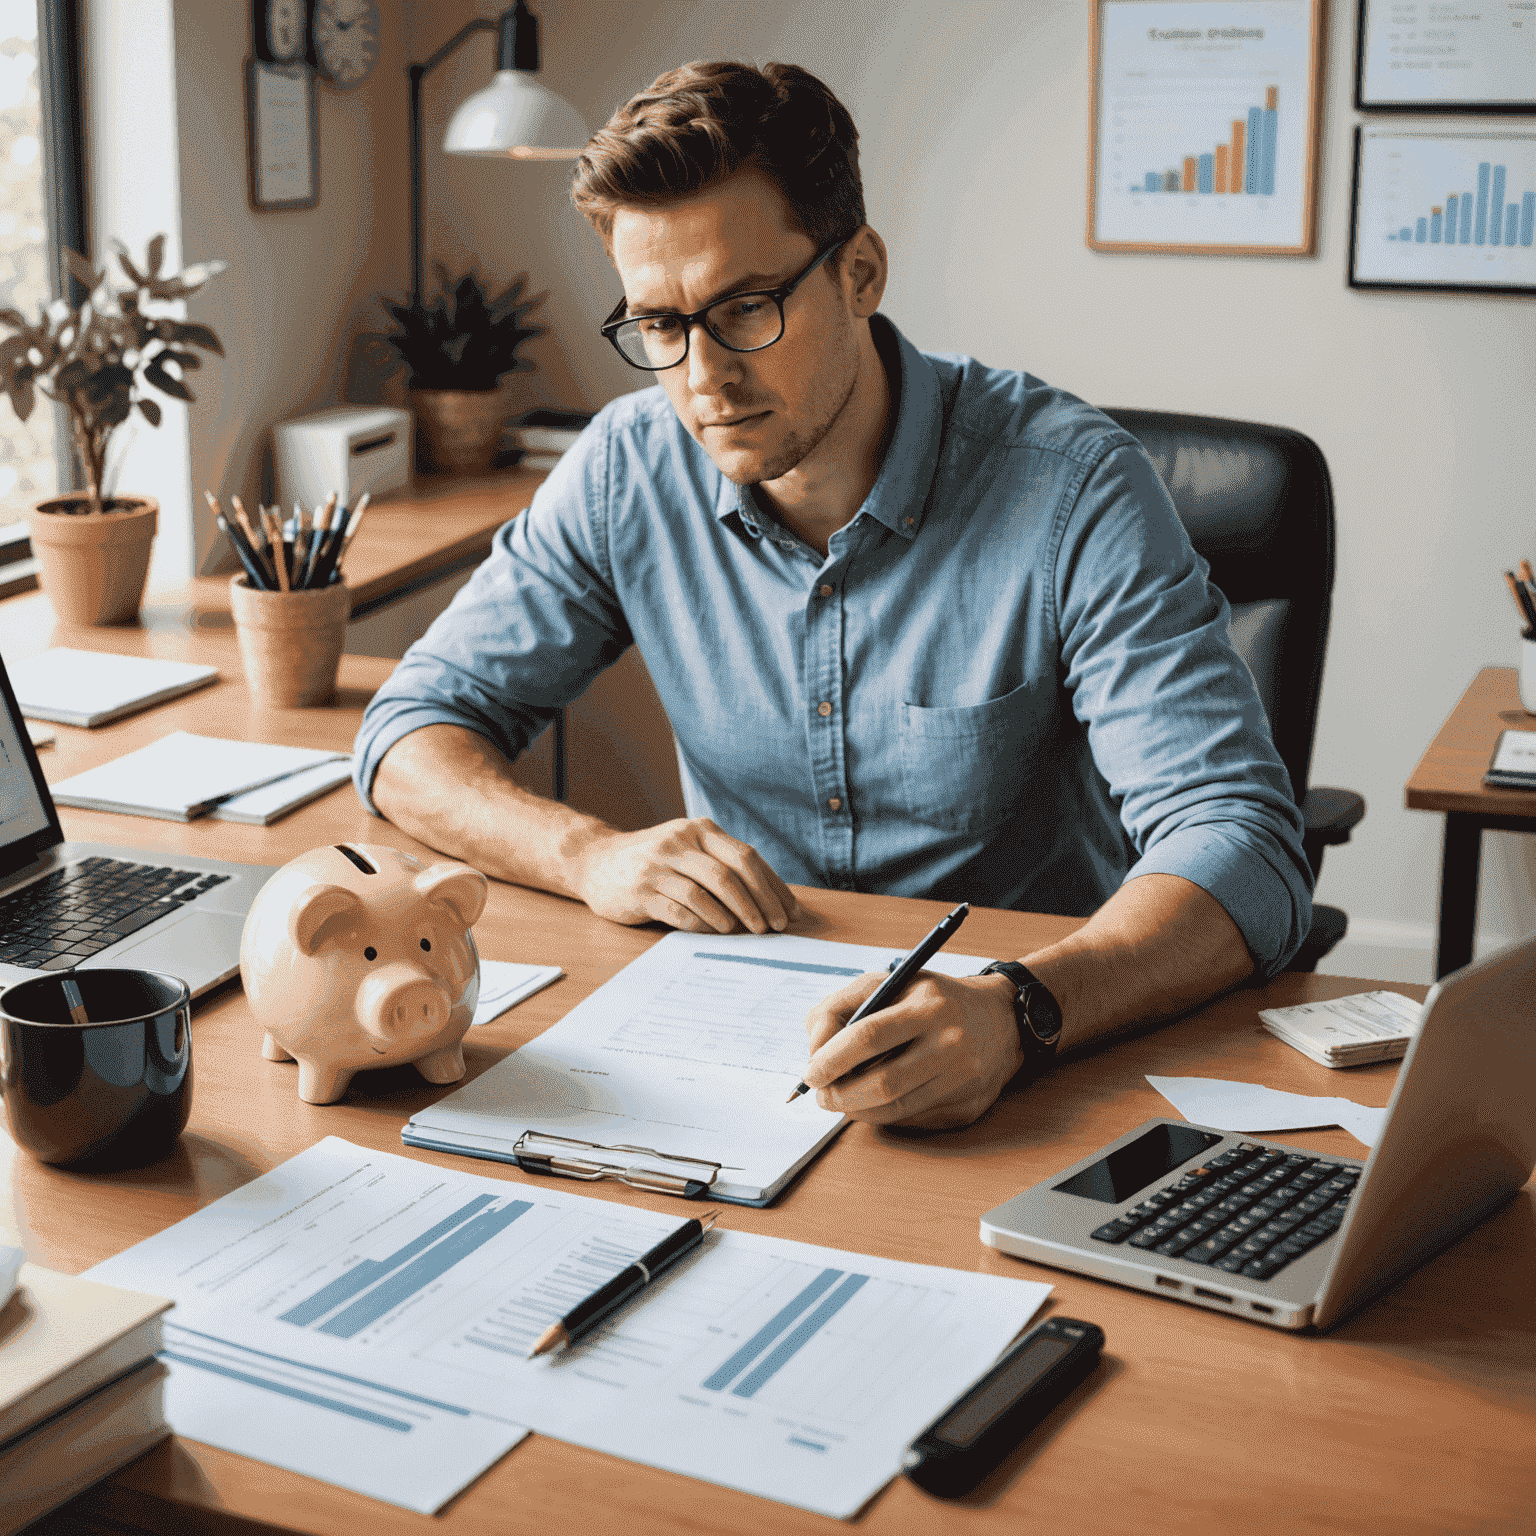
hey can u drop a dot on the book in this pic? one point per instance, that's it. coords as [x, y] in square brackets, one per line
[1348, 1031]
[1514, 761]
[183, 776]
[62, 1337]
[65, 1454]
[93, 688]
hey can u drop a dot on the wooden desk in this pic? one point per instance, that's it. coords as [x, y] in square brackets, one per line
[1414, 1417]
[1449, 778]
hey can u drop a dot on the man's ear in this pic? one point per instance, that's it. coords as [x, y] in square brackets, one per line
[865, 267]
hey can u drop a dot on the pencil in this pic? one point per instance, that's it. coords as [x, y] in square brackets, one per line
[351, 533]
[1523, 600]
[258, 543]
[1527, 575]
[279, 549]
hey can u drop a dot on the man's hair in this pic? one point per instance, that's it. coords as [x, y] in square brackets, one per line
[701, 122]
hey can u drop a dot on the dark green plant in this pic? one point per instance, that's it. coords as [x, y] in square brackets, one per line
[462, 338]
[95, 359]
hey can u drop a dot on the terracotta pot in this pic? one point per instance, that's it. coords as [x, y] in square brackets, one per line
[459, 430]
[93, 565]
[290, 642]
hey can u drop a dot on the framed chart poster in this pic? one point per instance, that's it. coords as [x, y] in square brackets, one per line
[282, 136]
[1205, 126]
[1439, 56]
[1447, 210]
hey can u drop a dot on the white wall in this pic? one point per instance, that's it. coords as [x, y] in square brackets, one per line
[167, 151]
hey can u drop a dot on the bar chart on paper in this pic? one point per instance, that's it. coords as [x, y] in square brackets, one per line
[1203, 112]
[1446, 208]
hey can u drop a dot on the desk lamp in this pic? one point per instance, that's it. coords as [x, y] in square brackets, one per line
[514, 116]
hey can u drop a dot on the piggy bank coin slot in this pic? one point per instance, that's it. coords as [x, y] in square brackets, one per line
[353, 857]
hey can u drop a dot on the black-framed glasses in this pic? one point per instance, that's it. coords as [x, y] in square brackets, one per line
[740, 322]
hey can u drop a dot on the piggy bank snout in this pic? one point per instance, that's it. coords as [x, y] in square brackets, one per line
[397, 1001]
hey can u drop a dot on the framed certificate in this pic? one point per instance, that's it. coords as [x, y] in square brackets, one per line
[1436, 56]
[1446, 210]
[282, 135]
[1205, 126]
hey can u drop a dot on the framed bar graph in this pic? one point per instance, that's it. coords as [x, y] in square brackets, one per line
[1205, 120]
[1444, 210]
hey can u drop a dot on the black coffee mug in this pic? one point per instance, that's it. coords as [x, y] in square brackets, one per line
[96, 1066]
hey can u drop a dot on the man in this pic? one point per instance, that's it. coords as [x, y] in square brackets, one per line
[920, 626]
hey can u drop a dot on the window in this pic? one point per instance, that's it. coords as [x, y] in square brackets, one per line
[42, 209]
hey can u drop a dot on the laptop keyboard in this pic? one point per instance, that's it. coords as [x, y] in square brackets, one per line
[77, 911]
[1250, 1211]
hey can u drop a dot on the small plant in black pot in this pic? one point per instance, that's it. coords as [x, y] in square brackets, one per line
[458, 347]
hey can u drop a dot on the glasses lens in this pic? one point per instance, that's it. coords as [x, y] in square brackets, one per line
[655, 341]
[746, 322]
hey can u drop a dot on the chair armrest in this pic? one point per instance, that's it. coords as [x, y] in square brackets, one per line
[1330, 815]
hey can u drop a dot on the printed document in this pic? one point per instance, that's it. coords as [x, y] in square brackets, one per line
[690, 1051]
[370, 1285]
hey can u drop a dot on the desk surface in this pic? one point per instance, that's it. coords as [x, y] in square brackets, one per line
[1414, 1417]
[1449, 776]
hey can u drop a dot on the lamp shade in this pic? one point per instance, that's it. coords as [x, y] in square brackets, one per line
[516, 116]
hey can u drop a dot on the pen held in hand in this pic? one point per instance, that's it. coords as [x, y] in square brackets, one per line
[892, 988]
[629, 1282]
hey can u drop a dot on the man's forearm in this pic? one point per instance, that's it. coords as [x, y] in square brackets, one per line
[1158, 947]
[450, 788]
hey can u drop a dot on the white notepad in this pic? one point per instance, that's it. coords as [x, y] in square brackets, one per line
[182, 776]
[94, 687]
[261, 807]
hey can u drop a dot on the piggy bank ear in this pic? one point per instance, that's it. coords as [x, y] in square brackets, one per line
[462, 889]
[317, 907]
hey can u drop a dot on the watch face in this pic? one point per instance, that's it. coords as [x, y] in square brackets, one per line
[346, 39]
[285, 29]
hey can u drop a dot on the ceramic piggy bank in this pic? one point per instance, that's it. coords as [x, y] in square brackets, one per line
[360, 956]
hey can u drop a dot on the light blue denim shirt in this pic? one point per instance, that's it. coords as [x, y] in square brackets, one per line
[1009, 681]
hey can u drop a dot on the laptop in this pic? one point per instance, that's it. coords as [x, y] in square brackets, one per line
[89, 905]
[1301, 1240]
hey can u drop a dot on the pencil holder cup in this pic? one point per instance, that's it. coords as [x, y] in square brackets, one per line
[1528, 675]
[290, 642]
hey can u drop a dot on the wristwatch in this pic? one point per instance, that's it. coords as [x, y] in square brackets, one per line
[1036, 1011]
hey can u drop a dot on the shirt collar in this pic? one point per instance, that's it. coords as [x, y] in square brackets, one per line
[899, 495]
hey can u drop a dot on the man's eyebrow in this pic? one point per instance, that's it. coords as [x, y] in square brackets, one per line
[752, 282]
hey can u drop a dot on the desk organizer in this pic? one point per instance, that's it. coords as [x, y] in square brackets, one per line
[290, 642]
[359, 955]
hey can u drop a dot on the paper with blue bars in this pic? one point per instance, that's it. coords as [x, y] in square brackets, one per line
[366, 1319]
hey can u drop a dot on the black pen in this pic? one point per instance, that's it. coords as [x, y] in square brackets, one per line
[243, 552]
[897, 983]
[586, 1315]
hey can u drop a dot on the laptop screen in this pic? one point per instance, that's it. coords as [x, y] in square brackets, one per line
[27, 817]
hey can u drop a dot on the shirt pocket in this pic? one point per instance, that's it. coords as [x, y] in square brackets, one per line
[964, 769]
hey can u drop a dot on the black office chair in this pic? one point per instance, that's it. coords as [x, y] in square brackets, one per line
[1258, 505]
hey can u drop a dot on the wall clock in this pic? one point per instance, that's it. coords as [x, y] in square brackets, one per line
[346, 37]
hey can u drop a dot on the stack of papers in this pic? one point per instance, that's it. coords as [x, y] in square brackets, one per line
[182, 776]
[366, 1319]
[94, 687]
[1348, 1031]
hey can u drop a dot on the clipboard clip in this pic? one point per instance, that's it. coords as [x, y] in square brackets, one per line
[566, 1158]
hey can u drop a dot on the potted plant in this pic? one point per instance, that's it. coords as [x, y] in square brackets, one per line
[458, 348]
[95, 360]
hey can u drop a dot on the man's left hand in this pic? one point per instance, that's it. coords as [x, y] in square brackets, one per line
[962, 1047]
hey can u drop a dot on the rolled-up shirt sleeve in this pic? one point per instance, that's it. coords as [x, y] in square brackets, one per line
[1174, 721]
[527, 634]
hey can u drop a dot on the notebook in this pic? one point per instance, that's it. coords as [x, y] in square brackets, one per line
[261, 807]
[94, 687]
[182, 776]
[1514, 761]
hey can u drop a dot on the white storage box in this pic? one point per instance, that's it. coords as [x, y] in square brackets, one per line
[348, 449]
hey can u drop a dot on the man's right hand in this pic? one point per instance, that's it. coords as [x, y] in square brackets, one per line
[688, 874]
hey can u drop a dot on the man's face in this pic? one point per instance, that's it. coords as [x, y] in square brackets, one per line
[758, 415]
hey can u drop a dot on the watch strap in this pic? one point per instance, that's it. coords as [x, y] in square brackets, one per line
[1035, 1010]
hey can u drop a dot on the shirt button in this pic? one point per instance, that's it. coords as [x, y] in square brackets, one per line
[909, 522]
[835, 804]
[826, 591]
[823, 710]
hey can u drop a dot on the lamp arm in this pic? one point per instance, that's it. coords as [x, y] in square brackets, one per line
[416, 73]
